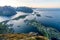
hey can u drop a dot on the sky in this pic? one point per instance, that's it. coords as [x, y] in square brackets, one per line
[31, 3]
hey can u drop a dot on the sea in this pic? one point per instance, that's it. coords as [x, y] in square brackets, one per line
[48, 18]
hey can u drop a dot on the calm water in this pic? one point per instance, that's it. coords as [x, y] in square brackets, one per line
[50, 18]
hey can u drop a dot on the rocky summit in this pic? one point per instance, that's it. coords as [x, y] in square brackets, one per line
[29, 36]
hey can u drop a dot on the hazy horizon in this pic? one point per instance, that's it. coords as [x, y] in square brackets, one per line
[31, 3]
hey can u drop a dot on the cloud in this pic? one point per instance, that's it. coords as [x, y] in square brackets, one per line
[31, 3]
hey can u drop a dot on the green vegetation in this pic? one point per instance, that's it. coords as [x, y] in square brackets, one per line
[40, 27]
[4, 29]
[22, 16]
[48, 32]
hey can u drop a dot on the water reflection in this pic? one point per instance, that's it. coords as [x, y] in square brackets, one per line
[2, 18]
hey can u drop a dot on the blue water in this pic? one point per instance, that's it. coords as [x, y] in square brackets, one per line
[50, 19]
[47, 18]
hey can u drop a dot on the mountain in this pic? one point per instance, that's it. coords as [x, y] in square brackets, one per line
[24, 9]
[7, 11]
[10, 11]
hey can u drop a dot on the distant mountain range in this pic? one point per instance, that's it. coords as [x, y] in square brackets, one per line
[24, 9]
[48, 9]
[7, 11]
[10, 11]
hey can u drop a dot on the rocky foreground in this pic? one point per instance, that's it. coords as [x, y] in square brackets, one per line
[29, 36]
